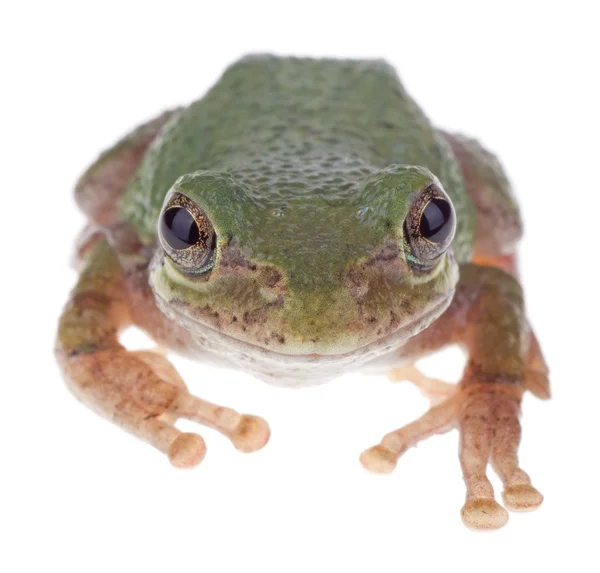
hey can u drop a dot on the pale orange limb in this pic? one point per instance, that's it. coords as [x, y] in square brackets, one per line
[140, 391]
[433, 389]
[247, 433]
[476, 426]
[383, 457]
[185, 450]
[487, 418]
[487, 317]
[518, 494]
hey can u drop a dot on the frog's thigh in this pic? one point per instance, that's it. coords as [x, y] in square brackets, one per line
[486, 317]
[498, 225]
[140, 391]
[99, 188]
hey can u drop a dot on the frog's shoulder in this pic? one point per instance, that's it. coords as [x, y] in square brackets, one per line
[98, 189]
[144, 193]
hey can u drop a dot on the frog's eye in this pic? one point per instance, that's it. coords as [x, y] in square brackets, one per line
[187, 235]
[429, 227]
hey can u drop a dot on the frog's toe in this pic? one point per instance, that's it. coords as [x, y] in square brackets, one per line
[247, 433]
[522, 497]
[251, 434]
[187, 450]
[483, 514]
[379, 459]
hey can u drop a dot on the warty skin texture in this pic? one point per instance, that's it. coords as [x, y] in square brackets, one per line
[313, 178]
[279, 149]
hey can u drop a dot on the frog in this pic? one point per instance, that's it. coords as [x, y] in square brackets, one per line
[301, 220]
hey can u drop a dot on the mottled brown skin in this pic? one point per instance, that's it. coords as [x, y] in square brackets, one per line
[139, 391]
[143, 393]
[101, 185]
[485, 406]
[498, 222]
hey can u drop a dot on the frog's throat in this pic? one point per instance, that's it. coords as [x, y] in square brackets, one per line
[218, 341]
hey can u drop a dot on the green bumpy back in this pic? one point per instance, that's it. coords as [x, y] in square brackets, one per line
[299, 137]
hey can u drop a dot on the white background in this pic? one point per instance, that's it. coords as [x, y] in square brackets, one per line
[78, 494]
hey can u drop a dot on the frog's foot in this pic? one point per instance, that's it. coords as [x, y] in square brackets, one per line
[143, 393]
[434, 390]
[487, 416]
[139, 391]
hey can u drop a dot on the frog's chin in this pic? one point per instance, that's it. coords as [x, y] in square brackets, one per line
[279, 367]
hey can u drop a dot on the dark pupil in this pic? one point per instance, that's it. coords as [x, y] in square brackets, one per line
[179, 228]
[436, 220]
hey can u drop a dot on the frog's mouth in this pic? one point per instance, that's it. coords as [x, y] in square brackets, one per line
[208, 338]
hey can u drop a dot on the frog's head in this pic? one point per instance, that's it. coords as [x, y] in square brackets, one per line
[296, 274]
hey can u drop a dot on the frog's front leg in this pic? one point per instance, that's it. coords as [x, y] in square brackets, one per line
[140, 391]
[487, 318]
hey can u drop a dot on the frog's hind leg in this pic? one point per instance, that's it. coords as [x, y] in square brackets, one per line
[432, 388]
[498, 224]
[480, 511]
[140, 391]
[99, 188]
[537, 379]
